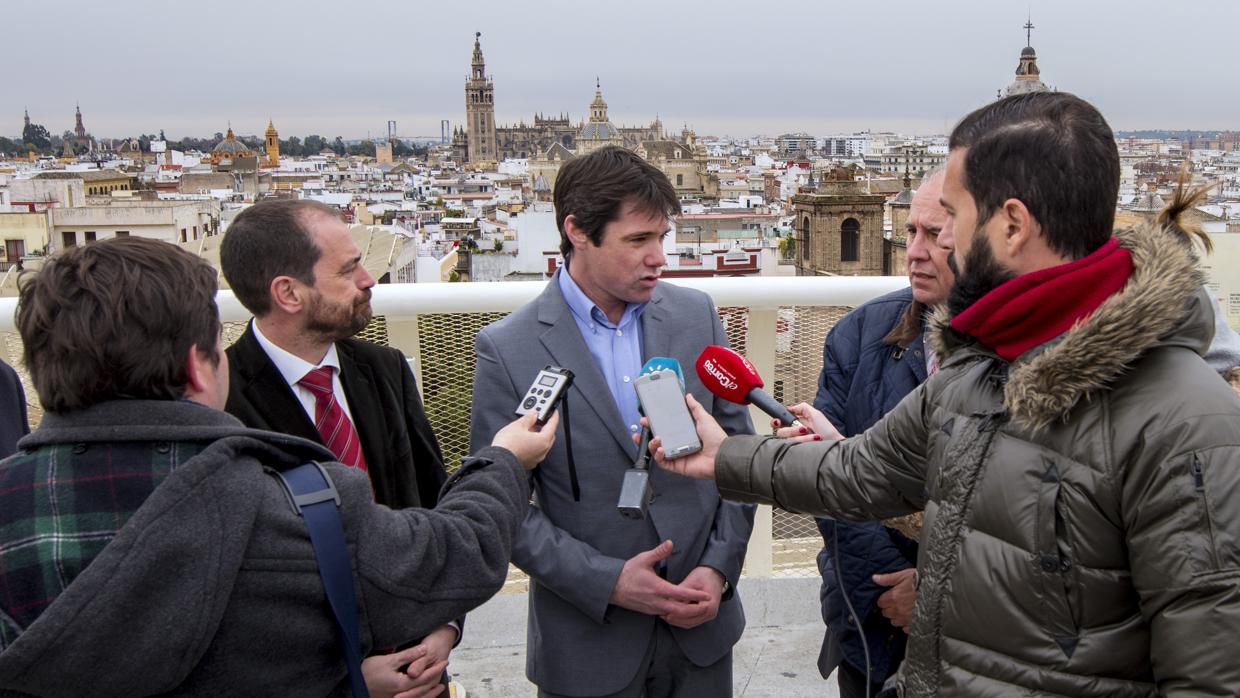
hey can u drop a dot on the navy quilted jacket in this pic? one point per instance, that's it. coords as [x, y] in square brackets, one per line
[862, 378]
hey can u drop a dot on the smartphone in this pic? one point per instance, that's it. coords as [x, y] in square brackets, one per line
[663, 402]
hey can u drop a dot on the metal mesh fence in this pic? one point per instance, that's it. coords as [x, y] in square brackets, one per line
[233, 332]
[799, 334]
[447, 359]
[376, 331]
[736, 325]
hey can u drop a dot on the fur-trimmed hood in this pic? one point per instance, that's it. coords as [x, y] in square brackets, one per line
[1162, 303]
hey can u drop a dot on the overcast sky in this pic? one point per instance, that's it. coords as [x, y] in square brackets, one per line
[725, 67]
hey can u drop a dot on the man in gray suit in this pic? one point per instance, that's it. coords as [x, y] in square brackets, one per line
[618, 607]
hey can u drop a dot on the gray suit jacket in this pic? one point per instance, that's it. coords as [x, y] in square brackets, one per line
[578, 643]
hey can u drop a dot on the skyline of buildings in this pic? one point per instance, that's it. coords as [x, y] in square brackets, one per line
[796, 202]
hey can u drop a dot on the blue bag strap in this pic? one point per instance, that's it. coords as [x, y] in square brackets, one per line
[314, 496]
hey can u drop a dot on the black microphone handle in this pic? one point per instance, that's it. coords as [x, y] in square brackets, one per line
[763, 401]
[643, 450]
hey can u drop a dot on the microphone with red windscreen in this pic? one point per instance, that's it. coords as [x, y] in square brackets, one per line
[730, 376]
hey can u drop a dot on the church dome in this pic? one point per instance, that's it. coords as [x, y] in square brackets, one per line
[230, 145]
[596, 131]
[1027, 51]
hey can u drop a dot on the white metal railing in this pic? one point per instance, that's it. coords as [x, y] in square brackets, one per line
[407, 301]
[766, 307]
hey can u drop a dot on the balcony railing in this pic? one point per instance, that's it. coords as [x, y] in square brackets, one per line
[778, 322]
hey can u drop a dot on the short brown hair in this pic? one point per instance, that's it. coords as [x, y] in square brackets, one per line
[594, 188]
[1052, 151]
[116, 319]
[267, 240]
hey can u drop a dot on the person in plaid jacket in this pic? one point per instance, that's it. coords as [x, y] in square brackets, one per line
[145, 547]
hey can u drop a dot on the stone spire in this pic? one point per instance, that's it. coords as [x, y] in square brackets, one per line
[480, 110]
[271, 144]
[27, 121]
[598, 108]
[479, 65]
[78, 129]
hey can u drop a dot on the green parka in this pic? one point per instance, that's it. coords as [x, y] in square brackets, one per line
[1082, 525]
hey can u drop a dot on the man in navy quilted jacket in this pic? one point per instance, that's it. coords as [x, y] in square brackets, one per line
[872, 358]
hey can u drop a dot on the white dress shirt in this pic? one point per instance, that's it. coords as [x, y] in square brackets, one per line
[294, 368]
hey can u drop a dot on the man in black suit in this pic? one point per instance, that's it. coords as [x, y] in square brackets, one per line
[298, 369]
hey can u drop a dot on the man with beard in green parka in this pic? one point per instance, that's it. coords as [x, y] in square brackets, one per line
[1077, 460]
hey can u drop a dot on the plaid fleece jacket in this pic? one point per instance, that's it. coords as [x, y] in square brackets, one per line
[60, 505]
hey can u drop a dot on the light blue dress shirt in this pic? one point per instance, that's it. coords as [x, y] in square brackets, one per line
[617, 348]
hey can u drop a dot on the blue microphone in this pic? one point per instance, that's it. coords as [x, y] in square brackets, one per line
[659, 363]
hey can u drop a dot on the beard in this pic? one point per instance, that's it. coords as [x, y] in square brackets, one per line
[335, 322]
[983, 274]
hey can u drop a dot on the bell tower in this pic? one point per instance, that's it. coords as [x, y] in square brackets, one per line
[79, 130]
[480, 109]
[271, 143]
[1028, 77]
[598, 108]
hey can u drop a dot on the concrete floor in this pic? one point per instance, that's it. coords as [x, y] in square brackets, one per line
[777, 655]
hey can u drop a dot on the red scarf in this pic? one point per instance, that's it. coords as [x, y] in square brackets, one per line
[1036, 307]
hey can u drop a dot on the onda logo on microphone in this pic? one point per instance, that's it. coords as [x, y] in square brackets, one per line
[720, 374]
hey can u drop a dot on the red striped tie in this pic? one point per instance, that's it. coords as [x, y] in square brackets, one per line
[329, 418]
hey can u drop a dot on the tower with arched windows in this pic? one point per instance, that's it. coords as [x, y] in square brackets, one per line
[1028, 76]
[271, 144]
[839, 228]
[480, 109]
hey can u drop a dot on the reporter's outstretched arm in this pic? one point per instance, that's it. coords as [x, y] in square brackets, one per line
[877, 475]
[418, 569]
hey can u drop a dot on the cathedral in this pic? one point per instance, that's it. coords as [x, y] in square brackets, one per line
[482, 141]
